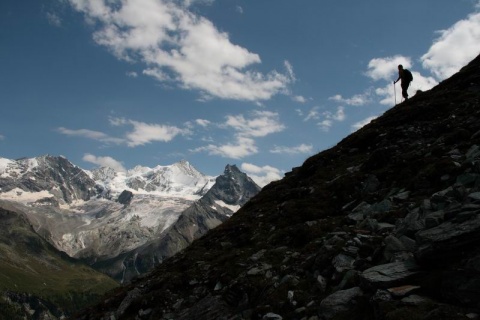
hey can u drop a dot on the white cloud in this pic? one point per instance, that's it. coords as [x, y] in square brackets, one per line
[2, 137]
[387, 68]
[313, 114]
[260, 124]
[132, 74]
[337, 116]
[192, 2]
[455, 47]
[261, 175]
[53, 19]
[239, 9]
[329, 118]
[302, 148]
[299, 99]
[362, 123]
[90, 134]
[141, 134]
[114, 121]
[356, 100]
[242, 148]
[290, 72]
[180, 46]
[325, 125]
[144, 133]
[104, 162]
[202, 122]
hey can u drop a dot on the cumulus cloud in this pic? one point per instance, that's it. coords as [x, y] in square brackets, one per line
[132, 74]
[330, 117]
[104, 162]
[241, 148]
[202, 122]
[302, 148]
[260, 124]
[180, 46]
[387, 68]
[90, 134]
[261, 175]
[2, 137]
[454, 48]
[144, 133]
[299, 99]
[257, 124]
[325, 125]
[356, 100]
[141, 134]
[313, 114]
[53, 19]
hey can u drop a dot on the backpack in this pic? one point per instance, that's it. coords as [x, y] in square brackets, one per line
[408, 75]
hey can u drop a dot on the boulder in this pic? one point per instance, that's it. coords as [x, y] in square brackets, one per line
[341, 303]
[390, 275]
[445, 240]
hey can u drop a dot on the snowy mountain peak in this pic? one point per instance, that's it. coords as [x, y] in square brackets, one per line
[179, 179]
[44, 177]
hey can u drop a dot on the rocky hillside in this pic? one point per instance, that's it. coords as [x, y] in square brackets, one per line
[385, 225]
[36, 280]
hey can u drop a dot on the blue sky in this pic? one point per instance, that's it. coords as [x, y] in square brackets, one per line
[260, 84]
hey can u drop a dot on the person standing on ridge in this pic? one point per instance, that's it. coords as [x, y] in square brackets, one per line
[406, 77]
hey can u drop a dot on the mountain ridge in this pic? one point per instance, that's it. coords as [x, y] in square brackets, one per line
[384, 225]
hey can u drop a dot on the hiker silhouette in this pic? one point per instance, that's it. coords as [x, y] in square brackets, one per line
[406, 77]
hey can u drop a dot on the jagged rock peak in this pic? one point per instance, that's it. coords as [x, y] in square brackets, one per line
[233, 187]
[103, 173]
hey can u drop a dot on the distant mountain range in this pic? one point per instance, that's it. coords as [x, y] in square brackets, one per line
[117, 221]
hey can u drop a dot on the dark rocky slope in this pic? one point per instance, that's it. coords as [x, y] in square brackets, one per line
[385, 225]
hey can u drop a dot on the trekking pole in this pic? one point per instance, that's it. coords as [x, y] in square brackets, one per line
[395, 93]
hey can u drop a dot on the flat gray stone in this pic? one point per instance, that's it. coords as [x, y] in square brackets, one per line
[340, 302]
[447, 238]
[389, 275]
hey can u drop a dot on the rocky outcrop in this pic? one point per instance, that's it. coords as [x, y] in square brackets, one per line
[382, 226]
[125, 197]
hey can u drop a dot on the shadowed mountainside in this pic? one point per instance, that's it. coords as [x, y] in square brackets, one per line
[36, 280]
[385, 225]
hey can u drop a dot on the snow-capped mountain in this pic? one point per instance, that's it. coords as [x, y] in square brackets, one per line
[178, 179]
[230, 191]
[102, 214]
[31, 180]
[44, 179]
